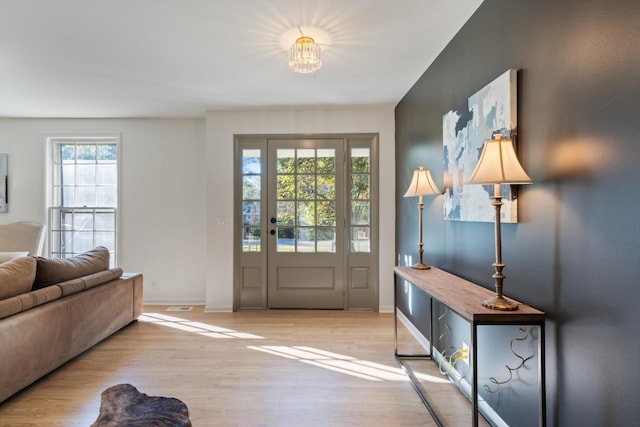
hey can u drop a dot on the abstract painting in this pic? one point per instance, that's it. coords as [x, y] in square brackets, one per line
[489, 111]
[4, 182]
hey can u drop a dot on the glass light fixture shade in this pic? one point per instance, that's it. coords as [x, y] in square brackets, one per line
[499, 164]
[304, 56]
[422, 184]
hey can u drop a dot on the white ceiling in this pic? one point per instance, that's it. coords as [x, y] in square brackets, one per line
[180, 58]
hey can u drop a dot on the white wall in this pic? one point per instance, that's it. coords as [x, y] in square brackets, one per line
[221, 127]
[162, 194]
[177, 183]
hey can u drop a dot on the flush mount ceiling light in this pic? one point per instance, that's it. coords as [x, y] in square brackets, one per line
[304, 55]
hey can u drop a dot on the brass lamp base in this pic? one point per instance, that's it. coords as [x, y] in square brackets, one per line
[500, 303]
[421, 266]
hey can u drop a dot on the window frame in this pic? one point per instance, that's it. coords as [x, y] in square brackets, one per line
[53, 143]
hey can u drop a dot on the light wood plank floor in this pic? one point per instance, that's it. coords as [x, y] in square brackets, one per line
[274, 368]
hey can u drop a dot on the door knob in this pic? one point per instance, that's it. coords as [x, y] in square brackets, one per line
[272, 232]
[273, 220]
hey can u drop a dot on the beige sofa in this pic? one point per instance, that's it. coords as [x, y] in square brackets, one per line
[51, 310]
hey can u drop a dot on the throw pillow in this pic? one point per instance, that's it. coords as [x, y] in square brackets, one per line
[16, 276]
[55, 270]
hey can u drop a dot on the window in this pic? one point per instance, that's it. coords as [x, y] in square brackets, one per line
[306, 200]
[360, 200]
[251, 194]
[84, 195]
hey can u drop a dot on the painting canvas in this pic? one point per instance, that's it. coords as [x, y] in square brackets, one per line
[4, 188]
[489, 111]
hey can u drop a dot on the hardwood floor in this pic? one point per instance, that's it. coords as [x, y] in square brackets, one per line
[274, 368]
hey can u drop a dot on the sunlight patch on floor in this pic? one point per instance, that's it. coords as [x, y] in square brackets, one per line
[344, 364]
[335, 362]
[199, 328]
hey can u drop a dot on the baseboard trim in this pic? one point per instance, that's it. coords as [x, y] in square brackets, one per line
[386, 309]
[172, 301]
[218, 309]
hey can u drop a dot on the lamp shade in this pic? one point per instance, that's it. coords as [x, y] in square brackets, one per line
[422, 184]
[499, 164]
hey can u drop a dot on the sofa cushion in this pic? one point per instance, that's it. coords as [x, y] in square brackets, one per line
[10, 306]
[102, 277]
[16, 276]
[8, 256]
[117, 272]
[71, 286]
[98, 278]
[55, 270]
[39, 297]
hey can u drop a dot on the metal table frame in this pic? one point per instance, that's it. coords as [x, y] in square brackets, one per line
[473, 365]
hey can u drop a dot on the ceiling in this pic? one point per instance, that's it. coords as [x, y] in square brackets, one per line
[180, 58]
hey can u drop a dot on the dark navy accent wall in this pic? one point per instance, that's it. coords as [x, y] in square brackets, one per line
[576, 252]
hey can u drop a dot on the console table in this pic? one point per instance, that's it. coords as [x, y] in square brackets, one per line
[464, 298]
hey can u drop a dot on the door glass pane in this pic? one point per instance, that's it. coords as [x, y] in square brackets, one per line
[326, 213]
[327, 161]
[251, 187]
[251, 239]
[326, 239]
[286, 187]
[286, 213]
[326, 187]
[360, 200]
[251, 230]
[286, 161]
[285, 239]
[306, 187]
[251, 162]
[305, 239]
[360, 239]
[360, 187]
[306, 160]
[360, 160]
[251, 194]
[251, 213]
[359, 213]
[306, 213]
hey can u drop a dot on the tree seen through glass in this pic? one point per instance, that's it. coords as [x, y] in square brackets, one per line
[306, 200]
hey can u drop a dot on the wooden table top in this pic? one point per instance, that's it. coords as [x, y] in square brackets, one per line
[465, 298]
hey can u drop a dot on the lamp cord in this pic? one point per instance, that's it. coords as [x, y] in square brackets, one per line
[510, 370]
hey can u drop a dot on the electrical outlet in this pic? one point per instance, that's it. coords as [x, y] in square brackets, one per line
[465, 349]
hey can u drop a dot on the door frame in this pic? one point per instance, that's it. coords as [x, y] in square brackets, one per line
[250, 269]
